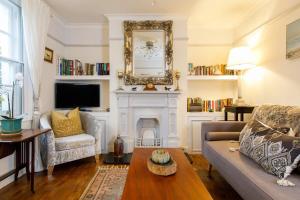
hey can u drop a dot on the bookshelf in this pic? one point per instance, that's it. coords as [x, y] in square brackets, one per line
[212, 77]
[209, 87]
[75, 68]
[205, 114]
[83, 77]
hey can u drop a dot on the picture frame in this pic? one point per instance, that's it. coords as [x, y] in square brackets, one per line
[134, 34]
[293, 40]
[48, 56]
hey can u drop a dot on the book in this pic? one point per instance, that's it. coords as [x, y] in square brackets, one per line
[199, 105]
[66, 67]
[219, 69]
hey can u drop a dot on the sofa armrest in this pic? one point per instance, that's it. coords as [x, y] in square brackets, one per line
[47, 142]
[93, 127]
[216, 136]
[220, 126]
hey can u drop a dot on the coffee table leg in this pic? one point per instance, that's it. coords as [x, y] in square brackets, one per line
[32, 164]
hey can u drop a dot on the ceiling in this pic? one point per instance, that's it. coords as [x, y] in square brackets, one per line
[206, 13]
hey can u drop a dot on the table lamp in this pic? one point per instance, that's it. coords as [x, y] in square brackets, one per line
[240, 58]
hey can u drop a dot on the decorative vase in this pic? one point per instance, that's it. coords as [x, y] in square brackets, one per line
[11, 126]
[118, 147]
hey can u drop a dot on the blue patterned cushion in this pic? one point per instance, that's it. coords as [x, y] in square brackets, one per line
[272, 149]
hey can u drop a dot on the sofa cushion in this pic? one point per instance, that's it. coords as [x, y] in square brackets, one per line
[275, 151]
[279, 116]
[66, 125]
[73, 142]
[248, 178]
[255, 126]
[215, 136]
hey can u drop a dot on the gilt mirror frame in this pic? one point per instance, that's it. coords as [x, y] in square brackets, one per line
[151, 25]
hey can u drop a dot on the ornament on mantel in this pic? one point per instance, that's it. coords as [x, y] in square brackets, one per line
[177, 76]
[120, 75]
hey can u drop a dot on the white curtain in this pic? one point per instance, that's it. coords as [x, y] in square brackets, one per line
[36, 19]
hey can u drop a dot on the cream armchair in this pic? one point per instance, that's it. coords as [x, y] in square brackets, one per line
[55, 151]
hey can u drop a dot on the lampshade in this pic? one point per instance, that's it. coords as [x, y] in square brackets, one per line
[240, 58]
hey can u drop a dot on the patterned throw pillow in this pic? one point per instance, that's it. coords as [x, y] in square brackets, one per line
[277, 152]
[298, 169]
[63, 125]
[256, 125]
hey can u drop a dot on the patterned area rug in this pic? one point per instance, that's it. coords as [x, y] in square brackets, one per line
[107, 184]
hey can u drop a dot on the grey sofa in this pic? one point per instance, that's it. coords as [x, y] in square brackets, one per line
[243, 174]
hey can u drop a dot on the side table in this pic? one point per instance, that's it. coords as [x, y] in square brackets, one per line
[21, 143]
[237, 110]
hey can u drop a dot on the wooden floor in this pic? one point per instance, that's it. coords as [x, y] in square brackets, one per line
[69, 181]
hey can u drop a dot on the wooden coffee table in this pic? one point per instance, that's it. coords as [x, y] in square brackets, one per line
[141, 184]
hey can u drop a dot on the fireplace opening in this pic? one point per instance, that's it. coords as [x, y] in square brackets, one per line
[148, 134]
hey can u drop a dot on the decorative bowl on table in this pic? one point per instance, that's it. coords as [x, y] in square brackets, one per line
[161, 163]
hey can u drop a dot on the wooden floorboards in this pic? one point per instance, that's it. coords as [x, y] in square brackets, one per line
[69, 181]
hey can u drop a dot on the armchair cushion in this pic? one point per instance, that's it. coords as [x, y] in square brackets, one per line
[73, 142]
[66, 125]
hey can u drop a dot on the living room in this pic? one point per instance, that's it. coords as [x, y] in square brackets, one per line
[163, 99]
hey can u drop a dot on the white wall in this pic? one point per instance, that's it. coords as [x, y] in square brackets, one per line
[210, 47]
[276, 79]
[86, 42]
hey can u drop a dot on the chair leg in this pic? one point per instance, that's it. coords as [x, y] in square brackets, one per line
[50, 170]
[97, 159]
[209, 170]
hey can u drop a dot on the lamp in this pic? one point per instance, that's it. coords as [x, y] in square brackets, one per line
[240, 58]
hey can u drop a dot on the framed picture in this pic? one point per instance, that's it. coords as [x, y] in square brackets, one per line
[293, 40]
[48, 55]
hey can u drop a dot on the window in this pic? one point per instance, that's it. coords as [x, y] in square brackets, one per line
[11, 49]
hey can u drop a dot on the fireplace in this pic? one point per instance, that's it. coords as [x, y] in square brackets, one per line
[148, 135]
[147, 119]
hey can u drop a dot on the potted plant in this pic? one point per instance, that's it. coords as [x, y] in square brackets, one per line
[11, 124]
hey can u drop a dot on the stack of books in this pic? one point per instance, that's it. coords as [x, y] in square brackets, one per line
[75, 67]
[102, 68]
[212, 70]
[89, 69]
[199, 105]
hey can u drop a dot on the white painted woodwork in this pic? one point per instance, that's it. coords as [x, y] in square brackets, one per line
[161, 106]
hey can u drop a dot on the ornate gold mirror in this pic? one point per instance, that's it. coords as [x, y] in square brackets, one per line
[148, 51]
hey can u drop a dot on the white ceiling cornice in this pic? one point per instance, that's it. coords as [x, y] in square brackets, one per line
[252, 11]
[87, 25]
[142, 16]
[267, 21]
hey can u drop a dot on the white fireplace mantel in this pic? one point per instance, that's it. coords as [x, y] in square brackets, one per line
[147, 92]
[159, 105]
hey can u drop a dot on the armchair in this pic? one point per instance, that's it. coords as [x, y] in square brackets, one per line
[55, 151]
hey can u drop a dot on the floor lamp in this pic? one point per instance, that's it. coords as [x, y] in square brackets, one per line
[240, 59]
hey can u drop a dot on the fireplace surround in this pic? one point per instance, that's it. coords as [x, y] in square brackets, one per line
[148, 118]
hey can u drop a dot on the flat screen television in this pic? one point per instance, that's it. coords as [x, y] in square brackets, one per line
[71, 95]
